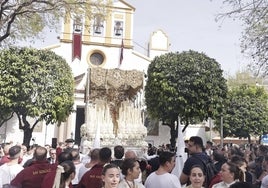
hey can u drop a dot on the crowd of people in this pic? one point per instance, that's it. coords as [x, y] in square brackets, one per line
[66, 167]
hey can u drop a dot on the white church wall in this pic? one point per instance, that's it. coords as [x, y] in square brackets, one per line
[154, 53]
[162, 138]
[196, 130]
[64, 50]
[164, 134]
[50, 131]
[131, 60]
[41, 135]
[12, 131]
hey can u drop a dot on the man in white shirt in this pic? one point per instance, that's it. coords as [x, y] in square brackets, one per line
[9, 170]
[162, 176]
[77, 163]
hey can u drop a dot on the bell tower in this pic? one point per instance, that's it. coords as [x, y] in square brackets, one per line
[108, 73]
[101, 29]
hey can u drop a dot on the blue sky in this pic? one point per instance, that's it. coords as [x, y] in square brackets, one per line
[190, 24]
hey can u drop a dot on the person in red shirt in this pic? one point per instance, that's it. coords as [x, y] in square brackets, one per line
[93, 177]
[33, 175]
[5, 158]
[60, 148]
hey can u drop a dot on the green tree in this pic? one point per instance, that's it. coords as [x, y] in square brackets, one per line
[21, 20]
[242, 78]
[37, 84]
[188, 84]
[254, 16]
[245, 110]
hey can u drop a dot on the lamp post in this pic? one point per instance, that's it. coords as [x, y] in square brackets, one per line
[221, 131]
[210, 128]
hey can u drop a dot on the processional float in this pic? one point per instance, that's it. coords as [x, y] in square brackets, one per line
[114, 115]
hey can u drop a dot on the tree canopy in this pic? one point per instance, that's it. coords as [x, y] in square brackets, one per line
[245, 110]
[187, 84]
[254, 15]
[20, 20]
[243, 78]
[37, 84]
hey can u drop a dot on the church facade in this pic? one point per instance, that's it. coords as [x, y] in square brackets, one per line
[109, 80]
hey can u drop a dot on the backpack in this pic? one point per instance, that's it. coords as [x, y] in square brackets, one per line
[210, 170]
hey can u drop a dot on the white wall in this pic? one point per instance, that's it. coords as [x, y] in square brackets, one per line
[15, 135]
[164, 134]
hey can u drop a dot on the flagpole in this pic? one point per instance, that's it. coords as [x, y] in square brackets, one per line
[87, 97]
[221, 131]
[121, 53]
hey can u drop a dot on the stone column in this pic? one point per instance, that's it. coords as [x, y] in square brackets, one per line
[61, 133]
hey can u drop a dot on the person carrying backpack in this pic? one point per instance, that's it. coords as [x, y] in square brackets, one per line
[197, 157]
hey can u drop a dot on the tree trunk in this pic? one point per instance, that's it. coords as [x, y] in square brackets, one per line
[27, 135]
[27, 129]
[173, 135]
[249, 139]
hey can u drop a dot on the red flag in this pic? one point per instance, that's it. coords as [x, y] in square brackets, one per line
[121, 53]
[77, 45]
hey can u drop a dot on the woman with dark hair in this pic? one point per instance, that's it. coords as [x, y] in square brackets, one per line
[242, 164]
[131, 170]
[110, 176]
[230, 173]
[64, 175]
[196, 177]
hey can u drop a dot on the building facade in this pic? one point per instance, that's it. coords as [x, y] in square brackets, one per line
[100, 50]
[109, 81]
